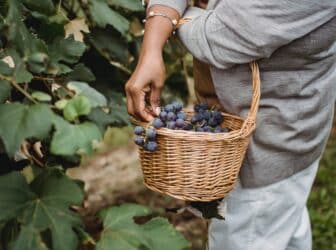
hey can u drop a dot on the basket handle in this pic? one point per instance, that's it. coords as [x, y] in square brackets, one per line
[250, 121]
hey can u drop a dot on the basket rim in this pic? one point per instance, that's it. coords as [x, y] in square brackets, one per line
[199, 136]
[248, 126]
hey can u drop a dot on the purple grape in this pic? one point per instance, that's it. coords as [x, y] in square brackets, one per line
[194, 120]
[138, 130]
[169, 108]
[163, 115]
[197, 107]
[207, 115]
[188, 127]
[199, 130]
[207, 129]
[151, 146]
[181, 115]
[138, 140]
[225, 130]
[213, 122]
[204, 106]
[151, 134]
[177, 106]
[180, 123]
[171, 125]
[157, 123]
[171, 116]
[218, 130]
[199, 116]
[218, 116]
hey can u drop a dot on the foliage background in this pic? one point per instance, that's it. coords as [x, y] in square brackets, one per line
[62, 52]
[63, 65]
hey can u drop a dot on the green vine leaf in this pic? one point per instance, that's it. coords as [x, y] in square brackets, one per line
[81, 88]
[29, 239]
[81, 73]
[38, 62]
[5, 69]
[20, 73]
[64, 51]
[132, 5]
[110, 46]
[122, 233]
[18, 34]
[72, 139]
[79, 105]
[5, 90]
[41, 96]
[67, 50]
[19, 122]
[103, 15]
[163, 235]
[44, 6]
[43, 204]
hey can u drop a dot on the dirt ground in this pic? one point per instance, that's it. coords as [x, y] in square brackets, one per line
[115, 178]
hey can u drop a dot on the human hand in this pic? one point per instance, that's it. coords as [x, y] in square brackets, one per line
[146, 81]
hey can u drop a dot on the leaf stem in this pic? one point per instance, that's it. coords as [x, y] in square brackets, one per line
[18, 87]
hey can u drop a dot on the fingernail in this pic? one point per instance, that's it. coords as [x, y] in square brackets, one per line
[157, 110]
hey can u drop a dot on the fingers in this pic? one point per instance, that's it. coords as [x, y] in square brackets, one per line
[129, 101]
[155, 98]
[136, 105]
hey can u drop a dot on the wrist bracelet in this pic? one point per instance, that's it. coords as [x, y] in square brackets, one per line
[151, 14]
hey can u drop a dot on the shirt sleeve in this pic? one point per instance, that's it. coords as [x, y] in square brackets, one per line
[179, 5]
[238, 32]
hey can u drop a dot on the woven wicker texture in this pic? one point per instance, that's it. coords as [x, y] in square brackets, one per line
[197, 166]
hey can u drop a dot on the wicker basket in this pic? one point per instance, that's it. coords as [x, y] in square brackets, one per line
[197, 166]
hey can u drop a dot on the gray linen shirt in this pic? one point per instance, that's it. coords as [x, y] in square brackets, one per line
[295, 45]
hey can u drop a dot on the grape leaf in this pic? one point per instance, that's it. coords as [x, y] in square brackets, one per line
[38, 62]
[44, 6]
[71, 139]
[132, 5]
[117, 116]
[41, 96]
[163, 235]
[120, 232]
[81, 88]
[42, 205]
[81, 73]
[18, 122]
[5, 69]
[18, 35]
[66, 50]
[79, 105]
[29, 239]
[76, 27]
[20, 73]
[103, 15]
[5, 89]
[109, 45]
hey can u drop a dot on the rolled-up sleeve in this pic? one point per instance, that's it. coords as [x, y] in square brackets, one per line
[237, 32]
[179, 5]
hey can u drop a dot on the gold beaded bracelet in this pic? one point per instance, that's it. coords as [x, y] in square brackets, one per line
[152, 14]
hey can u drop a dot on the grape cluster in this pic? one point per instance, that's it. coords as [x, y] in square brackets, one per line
[172, 117]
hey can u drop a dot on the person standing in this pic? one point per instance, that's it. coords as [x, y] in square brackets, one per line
[294, 43]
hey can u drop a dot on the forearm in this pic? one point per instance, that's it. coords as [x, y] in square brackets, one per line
[158, 29]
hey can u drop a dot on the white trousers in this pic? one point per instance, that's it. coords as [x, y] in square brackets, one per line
[274, 217]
